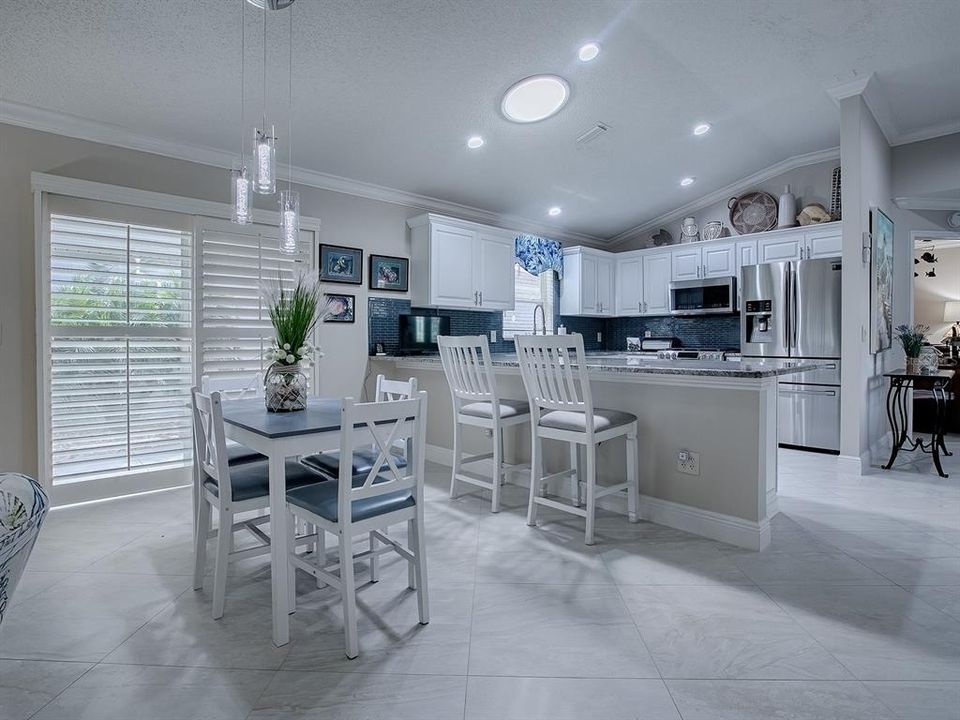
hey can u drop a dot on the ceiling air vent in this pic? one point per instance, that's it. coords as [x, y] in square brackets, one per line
[592, 133]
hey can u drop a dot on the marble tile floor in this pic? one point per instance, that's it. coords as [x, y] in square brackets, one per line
[853, 612]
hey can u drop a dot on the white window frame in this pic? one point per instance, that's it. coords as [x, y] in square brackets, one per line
[43, 185]
[548, 311]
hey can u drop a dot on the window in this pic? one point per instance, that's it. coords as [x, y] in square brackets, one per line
[234, 327]
[530, 290]
[120, 347]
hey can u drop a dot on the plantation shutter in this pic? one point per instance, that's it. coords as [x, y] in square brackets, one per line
[120, 347]
[529, 291]
[234, 325]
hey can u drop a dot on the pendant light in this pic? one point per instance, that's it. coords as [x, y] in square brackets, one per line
[290, 199]
[264, 139]
[241, 212]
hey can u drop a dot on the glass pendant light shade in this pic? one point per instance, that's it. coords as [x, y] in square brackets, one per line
[289, 222]
[242, 211]
[265, 161]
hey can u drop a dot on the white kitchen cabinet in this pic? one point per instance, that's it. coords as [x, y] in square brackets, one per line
[823, 242]
[719, 260]
[746, 253]
[801, 243]
[458, 264]
[686, 262]
[588, 282]
[780, 247]
[656, 283]
[629, 285]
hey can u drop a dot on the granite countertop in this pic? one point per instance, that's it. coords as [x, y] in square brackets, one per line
[639, 364]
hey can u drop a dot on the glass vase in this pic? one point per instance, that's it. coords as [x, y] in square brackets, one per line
[285, 388]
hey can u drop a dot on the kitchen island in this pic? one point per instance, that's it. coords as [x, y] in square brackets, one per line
[724, 411]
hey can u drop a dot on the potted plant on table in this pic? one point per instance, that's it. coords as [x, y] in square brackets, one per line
[294, 313]
[912, 340]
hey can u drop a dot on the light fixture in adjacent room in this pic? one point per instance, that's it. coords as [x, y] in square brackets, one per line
[554, 211]
[290, 199]
[687, 182]
[264, 138]
[241, 211]
[535, 98]
[474, 142]
[588, 52]
[701, 129]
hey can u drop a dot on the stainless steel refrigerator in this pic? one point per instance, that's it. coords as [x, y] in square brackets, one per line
[792, 310]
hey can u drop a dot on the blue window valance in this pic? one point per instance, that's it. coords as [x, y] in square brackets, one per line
[537, 254]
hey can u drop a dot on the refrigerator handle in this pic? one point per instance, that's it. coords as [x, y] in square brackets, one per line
[788, 310]
[794, 310]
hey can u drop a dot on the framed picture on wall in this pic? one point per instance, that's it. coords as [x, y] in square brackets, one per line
[341, 264]
[881, 281]
[341, 308]
[389, 273]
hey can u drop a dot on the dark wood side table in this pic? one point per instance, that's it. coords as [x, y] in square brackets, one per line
[937, 384]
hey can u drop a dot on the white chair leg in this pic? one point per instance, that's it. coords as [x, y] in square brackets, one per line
[535, 474]
[201, 531]
[411, 569]
[497, 468]
[456, 458]
[348, 597]
[591, 451]
[321, 558]
[224, 541]
[575, 476]
[292, 571]
[419, 548]
[374, 559]
[633, 479]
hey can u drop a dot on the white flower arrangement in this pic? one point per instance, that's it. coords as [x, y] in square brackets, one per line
[294, 314]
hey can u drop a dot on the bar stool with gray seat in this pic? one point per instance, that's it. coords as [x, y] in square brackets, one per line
[561, 408]
[476, 402]
[230, 490]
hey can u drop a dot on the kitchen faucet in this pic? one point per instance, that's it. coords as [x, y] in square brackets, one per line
[543, 316]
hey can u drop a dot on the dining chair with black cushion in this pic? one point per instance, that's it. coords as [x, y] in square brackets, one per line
[555, 375]
[230, 490]
[355, 505]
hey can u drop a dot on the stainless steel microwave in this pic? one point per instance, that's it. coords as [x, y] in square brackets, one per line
[704, 296]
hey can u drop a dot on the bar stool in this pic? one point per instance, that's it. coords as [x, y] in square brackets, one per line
[561, 408]
[476, 402]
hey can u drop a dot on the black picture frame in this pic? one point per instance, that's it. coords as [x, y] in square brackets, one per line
[381, 266]
[349, 312]
[341, 264]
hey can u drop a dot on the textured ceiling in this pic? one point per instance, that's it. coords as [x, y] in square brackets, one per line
[388, 91]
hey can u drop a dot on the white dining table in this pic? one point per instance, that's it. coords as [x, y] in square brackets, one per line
[280, 436]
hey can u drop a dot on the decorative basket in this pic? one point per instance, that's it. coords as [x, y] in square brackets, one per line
[285, 388]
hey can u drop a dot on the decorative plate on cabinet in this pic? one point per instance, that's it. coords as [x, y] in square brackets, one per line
[753, 212]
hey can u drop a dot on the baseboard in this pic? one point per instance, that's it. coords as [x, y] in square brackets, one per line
[716, 526]
[852, 465]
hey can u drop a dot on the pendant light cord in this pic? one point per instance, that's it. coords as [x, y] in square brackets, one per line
[243, 85]
[290, 108]
[265, 67]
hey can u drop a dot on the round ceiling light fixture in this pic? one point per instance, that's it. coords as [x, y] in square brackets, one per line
[588, 52]
[535, 98]
[687, 182]
[701, 129]
[474, 142]
[554, 211]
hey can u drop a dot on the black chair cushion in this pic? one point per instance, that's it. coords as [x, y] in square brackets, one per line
[240, 455]
[363, 459]
[251, 480]
[321, 499]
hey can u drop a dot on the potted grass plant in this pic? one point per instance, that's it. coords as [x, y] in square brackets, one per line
[294, 313]
[912, 339]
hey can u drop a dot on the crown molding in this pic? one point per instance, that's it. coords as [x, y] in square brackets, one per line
[733, 189]
[929, 133]
[34, 118]
[928, 203]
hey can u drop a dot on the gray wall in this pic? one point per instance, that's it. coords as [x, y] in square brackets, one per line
[929, 294]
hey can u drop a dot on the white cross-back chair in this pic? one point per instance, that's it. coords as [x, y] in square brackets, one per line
[229, 490]
[561, 406]
[355, 505]
[477, 403]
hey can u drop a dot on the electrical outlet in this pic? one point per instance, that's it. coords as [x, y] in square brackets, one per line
[688, 462]
[648, 333]
[493, 336]
[599, 337]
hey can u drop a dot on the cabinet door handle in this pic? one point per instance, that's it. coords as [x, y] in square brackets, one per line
[475, 302]
[481, 298]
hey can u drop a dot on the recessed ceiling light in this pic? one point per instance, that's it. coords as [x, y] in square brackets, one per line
[535, 98]
[588, 52]
[701, 129]
[554, 211]
[687, 181]
[474, 142]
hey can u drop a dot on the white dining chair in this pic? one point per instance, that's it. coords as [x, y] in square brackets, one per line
[328, 462]
[477, 403]
[561, 408]
[230, 490]
[355, 505]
